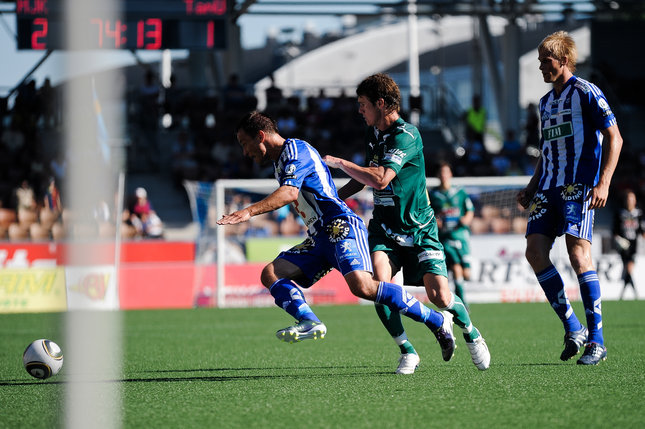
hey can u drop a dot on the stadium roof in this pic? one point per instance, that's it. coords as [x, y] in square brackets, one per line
[506, 8]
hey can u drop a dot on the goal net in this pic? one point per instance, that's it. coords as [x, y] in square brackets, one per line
[499, 271]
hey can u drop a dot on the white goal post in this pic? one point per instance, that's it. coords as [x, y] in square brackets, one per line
[503, 189]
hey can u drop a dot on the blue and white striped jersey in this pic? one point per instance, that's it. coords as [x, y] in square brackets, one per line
[571, 140]
[300, 165]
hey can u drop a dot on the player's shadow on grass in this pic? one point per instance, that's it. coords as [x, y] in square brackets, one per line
[33, 382]
[215, 378]
[277, 368]
[284, 372]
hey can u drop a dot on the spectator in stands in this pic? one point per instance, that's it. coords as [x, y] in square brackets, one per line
[325, 104]
[25, 197]
[7, 217]
[475, 121]
[27, 212]
[273, 95]
[58, 165]
[13, 139]
[184, 164]
[47, 102]
[511, 147]
[287, 120]
[51, 213]
[143, 216]
[233, 93]
[52, 200]
[532, 127]
[149, 119]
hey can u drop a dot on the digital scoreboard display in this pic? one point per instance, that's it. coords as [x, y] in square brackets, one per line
[140, 24]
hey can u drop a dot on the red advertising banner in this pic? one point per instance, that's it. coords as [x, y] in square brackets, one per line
[186, 285]
[24, 255]
[156, 285]
[243, 288]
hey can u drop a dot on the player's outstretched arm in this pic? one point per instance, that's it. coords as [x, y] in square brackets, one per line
[280, 197]
[375, 177]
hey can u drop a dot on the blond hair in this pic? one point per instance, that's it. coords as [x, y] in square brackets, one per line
[560, 45]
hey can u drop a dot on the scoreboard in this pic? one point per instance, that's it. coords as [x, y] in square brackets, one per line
[139, 24]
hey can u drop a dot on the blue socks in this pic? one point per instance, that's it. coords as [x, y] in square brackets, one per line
[590, 293]
[290, 298]
[553, 288]
[398, 299]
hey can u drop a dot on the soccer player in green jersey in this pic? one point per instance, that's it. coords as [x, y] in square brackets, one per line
[403, 229]
[455, 212]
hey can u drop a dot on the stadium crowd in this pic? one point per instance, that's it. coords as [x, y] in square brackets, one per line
[204, 149]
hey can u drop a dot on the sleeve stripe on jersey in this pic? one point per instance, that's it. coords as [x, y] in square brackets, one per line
[292, 149]
[361, 240]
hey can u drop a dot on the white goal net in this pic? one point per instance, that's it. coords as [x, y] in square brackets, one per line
[499, 270]
[234, 255]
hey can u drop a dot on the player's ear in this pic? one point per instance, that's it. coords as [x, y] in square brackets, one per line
[261, 136]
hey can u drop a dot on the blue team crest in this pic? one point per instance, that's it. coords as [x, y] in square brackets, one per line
[337, 230]
[604, 106]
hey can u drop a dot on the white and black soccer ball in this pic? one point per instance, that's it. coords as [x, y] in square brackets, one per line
[42, 359]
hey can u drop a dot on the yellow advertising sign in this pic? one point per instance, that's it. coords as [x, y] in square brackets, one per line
[32, 290]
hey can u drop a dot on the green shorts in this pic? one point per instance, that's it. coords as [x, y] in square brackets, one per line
[416, 254]
[457, 252]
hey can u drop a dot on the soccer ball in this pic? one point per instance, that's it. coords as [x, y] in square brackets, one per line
[42, 359]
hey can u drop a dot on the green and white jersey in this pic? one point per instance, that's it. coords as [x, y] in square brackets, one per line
[449, 206]
[403, 206]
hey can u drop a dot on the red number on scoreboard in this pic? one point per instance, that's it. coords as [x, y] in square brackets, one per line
[37, 35]
[149, 33]
[210, 35]
[116, 32]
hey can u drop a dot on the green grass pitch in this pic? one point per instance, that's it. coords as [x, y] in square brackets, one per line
[224, 368]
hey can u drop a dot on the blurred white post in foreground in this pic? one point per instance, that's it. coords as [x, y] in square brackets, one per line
[93, 337]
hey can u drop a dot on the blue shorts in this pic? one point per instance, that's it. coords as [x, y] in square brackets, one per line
[562, 210]
[342, 245]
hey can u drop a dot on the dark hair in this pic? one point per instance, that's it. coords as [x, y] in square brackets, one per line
[381, 85]
[444, 164]
[254, 122]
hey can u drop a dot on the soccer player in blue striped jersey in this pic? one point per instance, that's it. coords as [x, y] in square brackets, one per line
[337, 237]
[580, 147]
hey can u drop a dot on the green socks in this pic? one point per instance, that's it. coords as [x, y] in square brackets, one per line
[392, 322]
